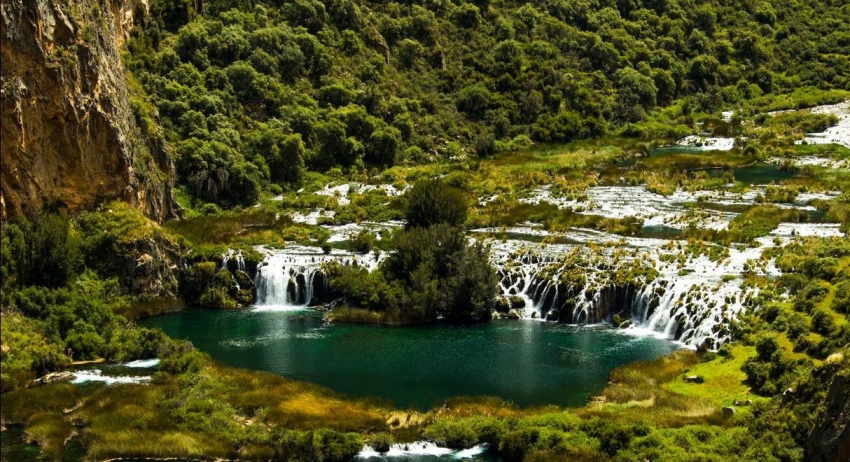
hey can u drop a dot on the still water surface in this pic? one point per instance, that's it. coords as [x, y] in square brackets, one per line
[526, 362]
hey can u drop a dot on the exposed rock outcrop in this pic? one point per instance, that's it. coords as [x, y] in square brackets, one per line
[830, 438]
[149, 267]
[69, 138]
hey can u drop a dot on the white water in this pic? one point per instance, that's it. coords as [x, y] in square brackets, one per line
[707, 143]
[96, 375]
[678, 210]
[838, 134]
[422, 448]
[343, 191]
[142, 363]
[812, 161]
[691, 299]
[288, 278]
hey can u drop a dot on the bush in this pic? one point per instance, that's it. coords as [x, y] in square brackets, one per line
[84, 342]
[432, 202]
[363, 241]
[841, 302]
[455, 434]
[180, 357]
[765, 347]
[822, 322]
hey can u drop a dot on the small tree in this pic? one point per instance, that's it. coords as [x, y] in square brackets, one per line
[433, 202]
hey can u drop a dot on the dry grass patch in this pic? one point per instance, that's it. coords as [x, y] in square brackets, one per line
[131, 442]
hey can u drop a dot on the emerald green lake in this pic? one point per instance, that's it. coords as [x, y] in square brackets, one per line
[526, 362]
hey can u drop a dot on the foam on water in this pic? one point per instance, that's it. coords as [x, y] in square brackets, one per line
[808, 229]
[688, 300]
[96, 375]
[707, 143]
[422, 448]
[804, 161]
[838, 134]
[142, 363]
[675, 210]
[343, 191]
[471, 452]
[292, 278]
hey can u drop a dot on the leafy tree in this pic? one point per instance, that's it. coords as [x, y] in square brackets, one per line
[555, 71]
[44, 252]
[432, 202]
[217, 173]
[474, 100]
[284, 153]
[383, 146]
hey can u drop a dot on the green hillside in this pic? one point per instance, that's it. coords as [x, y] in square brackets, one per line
[249, 94]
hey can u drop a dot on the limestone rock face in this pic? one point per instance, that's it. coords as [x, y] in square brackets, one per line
[69, 138]
[149, 267]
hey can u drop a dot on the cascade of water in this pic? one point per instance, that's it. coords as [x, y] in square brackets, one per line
[690, 300]
[287, 278]
[240, 264]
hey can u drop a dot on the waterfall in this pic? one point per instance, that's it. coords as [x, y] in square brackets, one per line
[690, 300]
[654, 284]
[292, 278]
[236, 256]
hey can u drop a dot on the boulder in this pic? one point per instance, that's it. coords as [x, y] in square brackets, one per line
[54, 377]
[503, 305]
[514, 314]
[729, 412]
[517, 302]
[694, 379]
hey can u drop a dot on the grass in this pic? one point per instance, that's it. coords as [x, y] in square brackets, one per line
[140, 420]
[656, 393]
[561, 158]
[694, 161]
[50, 431]
[144, 309]
[298, 405]
[833, 151]
[800, 98]
[724, 382]
[128, 420]
[363, 316]
[509, 213]
[18, 406]
[225, 228]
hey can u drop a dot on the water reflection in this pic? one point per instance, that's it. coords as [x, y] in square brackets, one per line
[528, 362]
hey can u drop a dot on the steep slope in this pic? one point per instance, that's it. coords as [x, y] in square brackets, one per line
[69, 139]
[830, 439]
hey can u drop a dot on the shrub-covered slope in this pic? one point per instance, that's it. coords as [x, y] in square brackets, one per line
[252, 93]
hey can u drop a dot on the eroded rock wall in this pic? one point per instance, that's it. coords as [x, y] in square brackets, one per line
[69, 138]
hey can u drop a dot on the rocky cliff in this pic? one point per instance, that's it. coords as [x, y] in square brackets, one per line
[69, 139]
[830, 439]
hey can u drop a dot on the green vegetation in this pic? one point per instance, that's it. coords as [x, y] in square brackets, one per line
[264, 103]
[757, 221]
[68, 313]
[196, 408]
[253, 95]
[433, 271]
